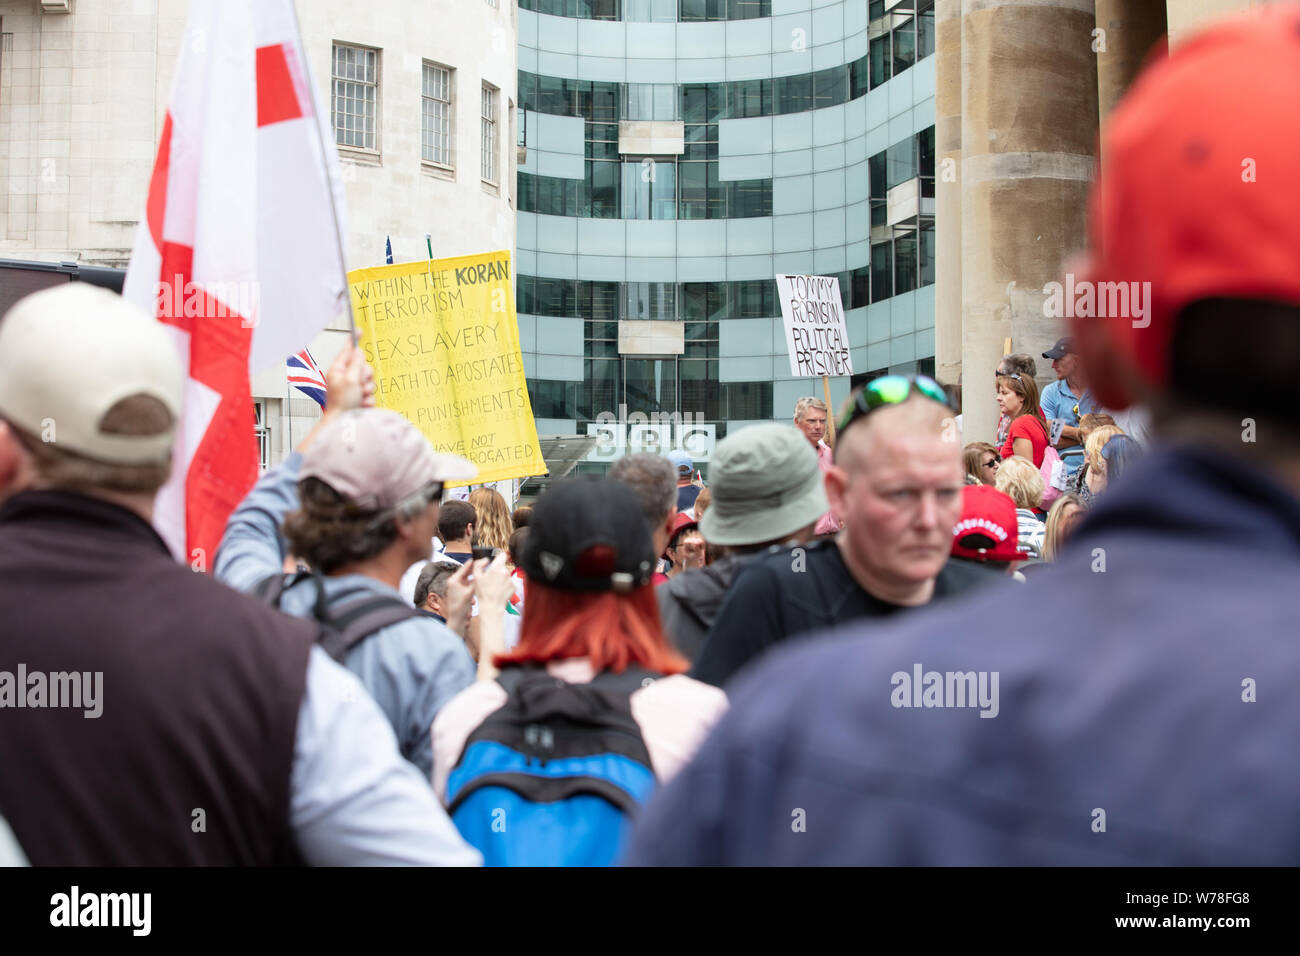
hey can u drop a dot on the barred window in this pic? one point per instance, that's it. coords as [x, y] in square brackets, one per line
[436, 135]
[489, 126]
[355, 96]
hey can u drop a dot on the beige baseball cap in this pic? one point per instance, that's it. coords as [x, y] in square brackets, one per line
[69, 354]
[375, 458]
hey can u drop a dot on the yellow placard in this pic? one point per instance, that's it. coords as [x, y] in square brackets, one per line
[443, 340]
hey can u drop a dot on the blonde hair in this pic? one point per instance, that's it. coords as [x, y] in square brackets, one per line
[1096, 442]
[801, 407]
[493, 528]
[1054, 535]
[1019, 478]
[702, 502]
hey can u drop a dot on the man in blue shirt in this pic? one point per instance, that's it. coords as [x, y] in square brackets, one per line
[372, 484]
[1154, 723]
[1067, 400]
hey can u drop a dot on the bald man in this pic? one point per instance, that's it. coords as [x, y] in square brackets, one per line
[896, 483]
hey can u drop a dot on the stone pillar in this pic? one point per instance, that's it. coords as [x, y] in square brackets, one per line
[947, 145]
[1028, 134]
[1127, 31]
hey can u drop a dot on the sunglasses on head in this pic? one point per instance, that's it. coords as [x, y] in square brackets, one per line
[891, 390]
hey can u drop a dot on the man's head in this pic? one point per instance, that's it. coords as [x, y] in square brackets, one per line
[1203, 240]
[683, 466]
[767, 488]
[897, 483]
[431, 587]
[456, 523]
[1065, 360]
[654, 479]
[369, 488]
[1017, 364]
[810, 418]
[90, 396]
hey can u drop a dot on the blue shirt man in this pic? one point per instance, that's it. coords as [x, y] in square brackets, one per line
[1067, 400]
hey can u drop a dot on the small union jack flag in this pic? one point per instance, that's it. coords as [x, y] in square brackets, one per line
[306, 376]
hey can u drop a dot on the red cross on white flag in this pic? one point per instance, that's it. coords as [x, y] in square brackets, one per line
[240, 249]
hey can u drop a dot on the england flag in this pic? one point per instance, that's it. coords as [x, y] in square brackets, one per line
[240, 250]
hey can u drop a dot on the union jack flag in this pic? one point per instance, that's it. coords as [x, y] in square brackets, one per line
[306, 376]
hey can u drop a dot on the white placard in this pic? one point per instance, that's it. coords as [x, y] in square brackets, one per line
[815, 332]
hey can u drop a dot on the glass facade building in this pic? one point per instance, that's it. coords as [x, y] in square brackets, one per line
[675, 156]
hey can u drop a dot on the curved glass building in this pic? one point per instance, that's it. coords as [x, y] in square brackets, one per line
[675, 156]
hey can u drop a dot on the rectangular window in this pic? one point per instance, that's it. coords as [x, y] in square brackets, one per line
[262, 430]
[489, 126]
[905, 264]
[355, 96]
[649, 190]
[435, 132]
[904, 45]
[650, 300]
[882, 271]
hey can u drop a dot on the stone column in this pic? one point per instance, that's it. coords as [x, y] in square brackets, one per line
[1028, 134]
[947, 145]
[1127, 31]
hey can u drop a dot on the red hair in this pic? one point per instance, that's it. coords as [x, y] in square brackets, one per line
[613, 630]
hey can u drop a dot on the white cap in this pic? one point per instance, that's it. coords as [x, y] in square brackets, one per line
[69, 354]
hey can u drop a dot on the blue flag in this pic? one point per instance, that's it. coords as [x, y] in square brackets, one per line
[388, 249]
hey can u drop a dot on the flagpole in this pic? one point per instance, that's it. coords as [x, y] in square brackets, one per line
[288, 410]
[334, 212]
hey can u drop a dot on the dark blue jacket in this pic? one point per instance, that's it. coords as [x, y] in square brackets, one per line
[1120, 691]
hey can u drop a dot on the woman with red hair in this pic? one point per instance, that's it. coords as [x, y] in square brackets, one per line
[590, 618]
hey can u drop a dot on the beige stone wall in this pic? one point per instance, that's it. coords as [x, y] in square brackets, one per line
[82, 97]
[1186, 16]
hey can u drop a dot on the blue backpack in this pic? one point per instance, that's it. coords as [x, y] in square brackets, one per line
[554, 777]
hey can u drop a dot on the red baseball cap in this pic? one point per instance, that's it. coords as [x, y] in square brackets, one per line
[989, 528]
[1199, 191]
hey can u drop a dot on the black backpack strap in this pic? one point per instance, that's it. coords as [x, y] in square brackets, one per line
[352, 624]
[510, 677]
[631, 680]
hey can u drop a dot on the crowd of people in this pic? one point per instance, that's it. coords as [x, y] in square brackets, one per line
[776, 666]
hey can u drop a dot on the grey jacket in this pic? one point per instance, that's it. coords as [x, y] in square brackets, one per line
[689, 603]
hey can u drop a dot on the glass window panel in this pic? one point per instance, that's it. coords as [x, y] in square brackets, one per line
[650, 385]
[906, 267]
[925, 34]
[830, 87]
[904, 45]
[882, 271]
[792, 94]
[663, 191]
[603, 192]
[900, 163]
[602, 388]
[879, 60]
[927, 254]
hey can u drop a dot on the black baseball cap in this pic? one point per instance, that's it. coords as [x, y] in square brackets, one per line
[588, 534]
[1061, 349]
